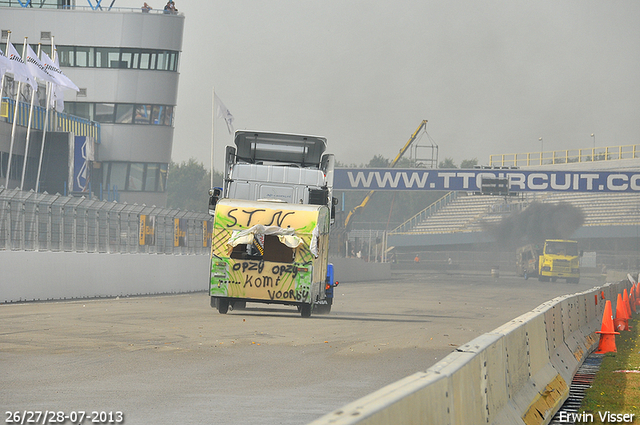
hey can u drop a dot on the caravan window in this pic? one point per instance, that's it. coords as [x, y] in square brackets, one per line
[266, 248]
[276, 251]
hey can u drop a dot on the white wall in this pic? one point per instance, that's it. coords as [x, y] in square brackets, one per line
[33, 275]
[29, 275]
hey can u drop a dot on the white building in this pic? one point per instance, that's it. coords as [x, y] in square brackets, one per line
[125, 62]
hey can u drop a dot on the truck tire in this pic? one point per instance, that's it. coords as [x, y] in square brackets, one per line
[238, 305]
[323, 308]
[214, 302]
[305, 310]
[223, 305]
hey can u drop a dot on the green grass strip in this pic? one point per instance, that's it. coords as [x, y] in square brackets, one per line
[616, 388]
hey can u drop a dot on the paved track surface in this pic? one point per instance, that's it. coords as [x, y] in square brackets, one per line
[173, 359]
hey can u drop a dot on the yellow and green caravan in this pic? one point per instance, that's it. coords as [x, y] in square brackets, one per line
[270, 252]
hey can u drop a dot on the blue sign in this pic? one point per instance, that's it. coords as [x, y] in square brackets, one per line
[470, 180]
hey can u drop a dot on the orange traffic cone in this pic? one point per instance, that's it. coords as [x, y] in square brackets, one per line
[607, 342]
[621, 321]
[627, 303]
[638, 294]
[632, 299]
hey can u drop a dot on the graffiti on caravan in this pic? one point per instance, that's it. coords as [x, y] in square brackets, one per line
[470, 180]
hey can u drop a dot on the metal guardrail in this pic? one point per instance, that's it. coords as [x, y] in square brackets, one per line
[56, 121]
[569, 156]
[43, 222]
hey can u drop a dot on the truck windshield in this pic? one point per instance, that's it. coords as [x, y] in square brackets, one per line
[562, 248]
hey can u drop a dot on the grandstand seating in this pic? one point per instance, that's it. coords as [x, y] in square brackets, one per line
[468, 213]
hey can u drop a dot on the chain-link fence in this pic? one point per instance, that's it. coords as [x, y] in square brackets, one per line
[42, 222]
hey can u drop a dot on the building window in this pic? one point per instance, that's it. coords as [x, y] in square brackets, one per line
[84, 57]
[162, 182]
[134, 176]
[118, 57]
[108, 57]
[80, 109]
[122, 113]
[143, 114]
[151, 177]
[105, 113]
[117, 176]
[168, 116]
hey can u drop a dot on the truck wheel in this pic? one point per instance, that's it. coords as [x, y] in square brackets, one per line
[239, 305]
[214, 302]
[553, 279]
[223, 305]
[322, 308]
[305, 310]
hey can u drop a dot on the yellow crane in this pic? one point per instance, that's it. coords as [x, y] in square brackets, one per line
[357, 209]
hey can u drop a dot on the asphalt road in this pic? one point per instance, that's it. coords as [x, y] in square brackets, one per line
[173, 359]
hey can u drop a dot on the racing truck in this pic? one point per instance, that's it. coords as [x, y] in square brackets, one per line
[271, 220]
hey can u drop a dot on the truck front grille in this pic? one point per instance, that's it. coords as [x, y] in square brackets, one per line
[561, 266]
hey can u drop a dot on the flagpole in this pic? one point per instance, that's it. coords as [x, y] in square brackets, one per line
[2, 82]
[26, 146]
[15, 119]
[3, 75]
[46, 120]
[44, 133]
[213, 120]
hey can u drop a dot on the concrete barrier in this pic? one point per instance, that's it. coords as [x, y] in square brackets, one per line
[32, 276]
[517, 374]
[47, 275]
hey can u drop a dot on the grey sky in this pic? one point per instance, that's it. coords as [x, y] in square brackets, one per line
[491, 77]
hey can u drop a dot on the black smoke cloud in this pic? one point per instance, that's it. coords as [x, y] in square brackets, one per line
[537, 222]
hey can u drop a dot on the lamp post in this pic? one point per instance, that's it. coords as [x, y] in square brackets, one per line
[541, 149]
[594, 140]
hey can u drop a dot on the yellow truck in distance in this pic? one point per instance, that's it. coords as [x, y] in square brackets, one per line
[559, 259]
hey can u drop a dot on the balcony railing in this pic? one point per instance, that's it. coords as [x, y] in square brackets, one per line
[57, 121]
[569, 156]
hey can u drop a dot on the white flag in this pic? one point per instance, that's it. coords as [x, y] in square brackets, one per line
[36, 67]
[57, 98]
[5, 64]
[18, 68]
[53, 68]
[223, 112]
